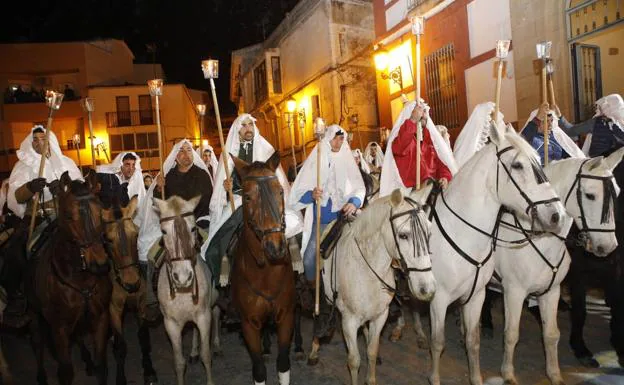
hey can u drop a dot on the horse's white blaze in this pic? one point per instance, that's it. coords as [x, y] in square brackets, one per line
[476, 194]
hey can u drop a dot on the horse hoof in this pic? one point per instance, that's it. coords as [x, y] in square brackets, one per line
[150, 380]
[313, 361]
[510, 381]
[589, 362]
[422, 343]
[299, 356]
[193, 359]
[487, 333]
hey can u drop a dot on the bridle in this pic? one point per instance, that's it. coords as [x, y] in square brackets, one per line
[270, 205]
[419, 231]
[609, 196]
[194, 286]
[84, 211]
[124, 251]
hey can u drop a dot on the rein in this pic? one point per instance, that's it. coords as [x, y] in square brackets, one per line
[194, 287]
[123, 238]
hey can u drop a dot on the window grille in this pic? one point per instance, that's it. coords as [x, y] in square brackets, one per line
[441, 86]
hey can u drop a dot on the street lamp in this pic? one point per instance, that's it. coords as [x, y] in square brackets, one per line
[101, 146]
[156, 90]
[201, 112]
[382, 62]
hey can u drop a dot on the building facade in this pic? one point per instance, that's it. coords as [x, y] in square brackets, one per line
[124, 116]
[320, 59]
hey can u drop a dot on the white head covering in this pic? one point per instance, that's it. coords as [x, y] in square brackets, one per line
[214, 163]
[220, 210]
[348, 179]
[612, 107]
[562, 138]
[379, 156]
[170, 162]
[135, 184]
[475, 133]
[363, 163]
[443, 130]
[27, 169]
[390, 177]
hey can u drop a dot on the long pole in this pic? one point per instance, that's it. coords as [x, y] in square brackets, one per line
[499, 80]
[419, 125]
[89, 113]
[78, 155]
[44, 154]
[551, 91]
[545, 116]
[292, 142]
[224, 152]
[160, 146]
[318, 229]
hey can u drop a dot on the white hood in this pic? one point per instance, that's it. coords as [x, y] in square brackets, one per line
[135, 184]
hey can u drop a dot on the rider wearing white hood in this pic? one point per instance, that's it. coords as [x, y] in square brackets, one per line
[127, 167]
[210, 159]
[606, 129]
[374, 156]
[400, 159]
[24, 181]
[342, 189]
[474, 136]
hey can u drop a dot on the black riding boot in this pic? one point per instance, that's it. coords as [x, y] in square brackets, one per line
[325, 322]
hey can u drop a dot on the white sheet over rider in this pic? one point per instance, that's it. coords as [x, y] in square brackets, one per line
[135, 184]
[390, 177]
[340, 179]
[27, 169]
[562, 138]
[611, 107]
[214, 163]
[357, 153]
[378, 159]
[475, 133]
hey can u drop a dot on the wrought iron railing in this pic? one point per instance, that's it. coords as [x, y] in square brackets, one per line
[131, 118]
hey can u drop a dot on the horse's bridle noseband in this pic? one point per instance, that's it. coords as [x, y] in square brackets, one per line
[271, 206]
[420, 235]
[125, 250]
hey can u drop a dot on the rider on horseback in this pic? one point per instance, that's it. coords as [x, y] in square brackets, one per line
[127, 168]
[341, 193]
[373, 155]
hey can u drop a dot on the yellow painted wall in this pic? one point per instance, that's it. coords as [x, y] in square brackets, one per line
[612, 74]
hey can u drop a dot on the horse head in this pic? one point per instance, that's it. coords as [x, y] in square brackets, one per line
[177, 223]
[120, 238]
[590, 193]
[520, 183]
[264, 207]
[79, 218]
[408, 235]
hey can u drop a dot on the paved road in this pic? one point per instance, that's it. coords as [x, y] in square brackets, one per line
[403, 362]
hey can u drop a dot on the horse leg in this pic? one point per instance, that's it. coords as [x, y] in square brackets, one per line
[37, 343]
[7, 379]
[397, 332]
[548, 309]
[350, 328]
[216, 328]
[149, 374]
[313, 357]
[487, 325]
[578, 314]
[472, 315]
[266, 340]
[514, 301]
[284, 339]
[252, 337]
[374, 331]
[437, 315]
[65, 370]
[174, 330]
[194, 356]
[421, 337]
[85, 355]
[203, 325]
[119, 344]
[299, 353]
[100, 337]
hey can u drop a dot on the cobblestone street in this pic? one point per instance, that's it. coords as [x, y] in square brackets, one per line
[403, 362]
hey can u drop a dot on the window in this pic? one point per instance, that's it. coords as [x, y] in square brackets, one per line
[316, 107]
[146, 115]
[260, 83]
[123, 110]
[441, 86]
[277, 74]
[145, 144]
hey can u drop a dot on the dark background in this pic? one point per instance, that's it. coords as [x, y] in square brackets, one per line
[177, 34]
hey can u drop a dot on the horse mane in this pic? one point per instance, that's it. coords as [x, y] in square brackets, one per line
[523, 147]
[79, 188]
[368, 223]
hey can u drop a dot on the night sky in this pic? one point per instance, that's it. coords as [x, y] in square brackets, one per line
[184, 32]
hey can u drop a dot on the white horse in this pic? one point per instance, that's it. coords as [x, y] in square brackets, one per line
[538, 264]
[393, 228]
[185, 289]
[505, 172]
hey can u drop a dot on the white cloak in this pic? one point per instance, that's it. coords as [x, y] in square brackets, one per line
[475, 133]
[379, 156]
[562, 138]
[363, 163]
[390, 178]
[135, 184]
[27, 169]
[349, 183]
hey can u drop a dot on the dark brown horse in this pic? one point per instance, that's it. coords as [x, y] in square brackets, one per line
[262, 276]
[129, 287]
[67, 285]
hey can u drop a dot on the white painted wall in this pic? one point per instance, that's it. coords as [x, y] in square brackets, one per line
[481, 87]
[396, 14]
[488, 21]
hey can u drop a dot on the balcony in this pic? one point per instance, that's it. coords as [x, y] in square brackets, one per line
[131, 118]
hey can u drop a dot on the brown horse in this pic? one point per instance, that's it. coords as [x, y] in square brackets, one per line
[262, 276]
[67, 285]
[129, 287]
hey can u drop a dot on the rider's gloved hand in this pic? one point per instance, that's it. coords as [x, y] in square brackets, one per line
[55, 187]
[36, 185]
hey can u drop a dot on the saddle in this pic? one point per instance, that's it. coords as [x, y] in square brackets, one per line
[331, 235]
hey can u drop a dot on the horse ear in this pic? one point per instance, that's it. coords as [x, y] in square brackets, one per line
[594, 163]
[274, 161]
[422, 195]
[92, 182]
[239, 165]
[132, 206]
[65, 181]
[614, 159]
[193, 202]
[396, 198]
